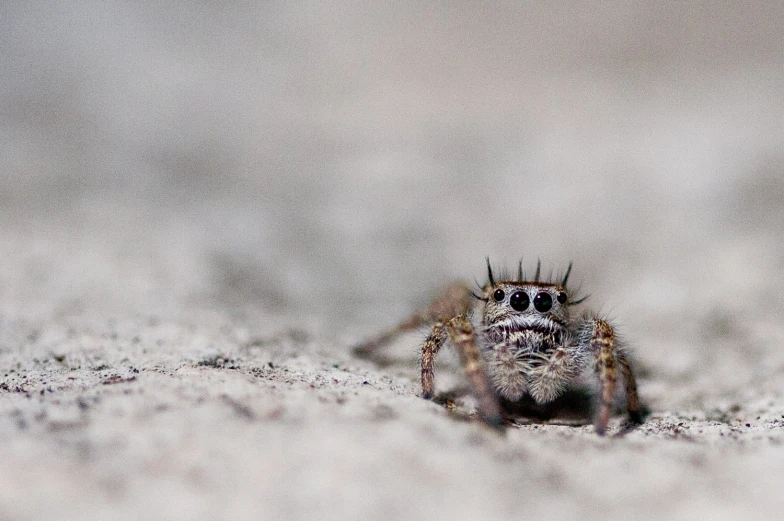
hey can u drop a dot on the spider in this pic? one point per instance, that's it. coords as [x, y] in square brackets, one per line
[516, 341]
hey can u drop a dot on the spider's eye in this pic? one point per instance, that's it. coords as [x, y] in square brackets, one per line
[499, 295]
[519, 301]
[543, 301]
[561, 297]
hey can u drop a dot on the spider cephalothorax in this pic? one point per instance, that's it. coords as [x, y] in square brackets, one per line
[518, 338]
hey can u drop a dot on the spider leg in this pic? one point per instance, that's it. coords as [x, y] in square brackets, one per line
[369, 348]
[602, 344]
[461, 334]
[430, 347]
[599, 337]
[454, 300]
[632, 398]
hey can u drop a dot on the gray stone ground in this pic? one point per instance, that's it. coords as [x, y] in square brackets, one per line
[203, 208]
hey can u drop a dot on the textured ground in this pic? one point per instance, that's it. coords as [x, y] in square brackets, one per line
[203, 208]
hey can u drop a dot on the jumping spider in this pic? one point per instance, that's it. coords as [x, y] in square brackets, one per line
[516, 340]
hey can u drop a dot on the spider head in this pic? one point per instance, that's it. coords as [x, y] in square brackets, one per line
[528, 300]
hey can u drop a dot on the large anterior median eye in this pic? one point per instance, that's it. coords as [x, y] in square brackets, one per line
[519, 301]
[543, 301]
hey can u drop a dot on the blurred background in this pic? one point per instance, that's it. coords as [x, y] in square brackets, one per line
[342, 160]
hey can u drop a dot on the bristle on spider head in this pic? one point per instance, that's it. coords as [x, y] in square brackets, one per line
[566, 277]
[578, 301]
[520, 271]
[538, 270]
[490, 271]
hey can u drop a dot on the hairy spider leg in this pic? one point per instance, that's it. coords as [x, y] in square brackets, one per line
[430, 348]
[461, 334]
[632, 398]
[602, 345]
[456, 299]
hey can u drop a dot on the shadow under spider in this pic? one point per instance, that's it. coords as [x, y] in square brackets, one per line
[575, 407]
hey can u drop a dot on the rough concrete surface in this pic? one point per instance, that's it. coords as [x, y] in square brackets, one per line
[204, 207]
